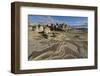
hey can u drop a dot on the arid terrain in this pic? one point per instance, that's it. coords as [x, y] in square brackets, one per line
[64, 45]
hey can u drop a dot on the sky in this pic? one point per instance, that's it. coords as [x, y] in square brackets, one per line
[70, 20]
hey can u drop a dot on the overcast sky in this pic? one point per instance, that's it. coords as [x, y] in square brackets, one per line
[70, 20]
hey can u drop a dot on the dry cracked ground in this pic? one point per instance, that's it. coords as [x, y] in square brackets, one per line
[66, 45]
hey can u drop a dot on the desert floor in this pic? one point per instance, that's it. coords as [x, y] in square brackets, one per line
[66, 45]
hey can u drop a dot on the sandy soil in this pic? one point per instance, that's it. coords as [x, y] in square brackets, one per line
[66, 45]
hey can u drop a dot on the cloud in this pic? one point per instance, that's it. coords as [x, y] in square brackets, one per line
[45, 20]
[40, 19]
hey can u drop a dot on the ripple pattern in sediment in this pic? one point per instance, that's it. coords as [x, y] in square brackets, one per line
[61, 50]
